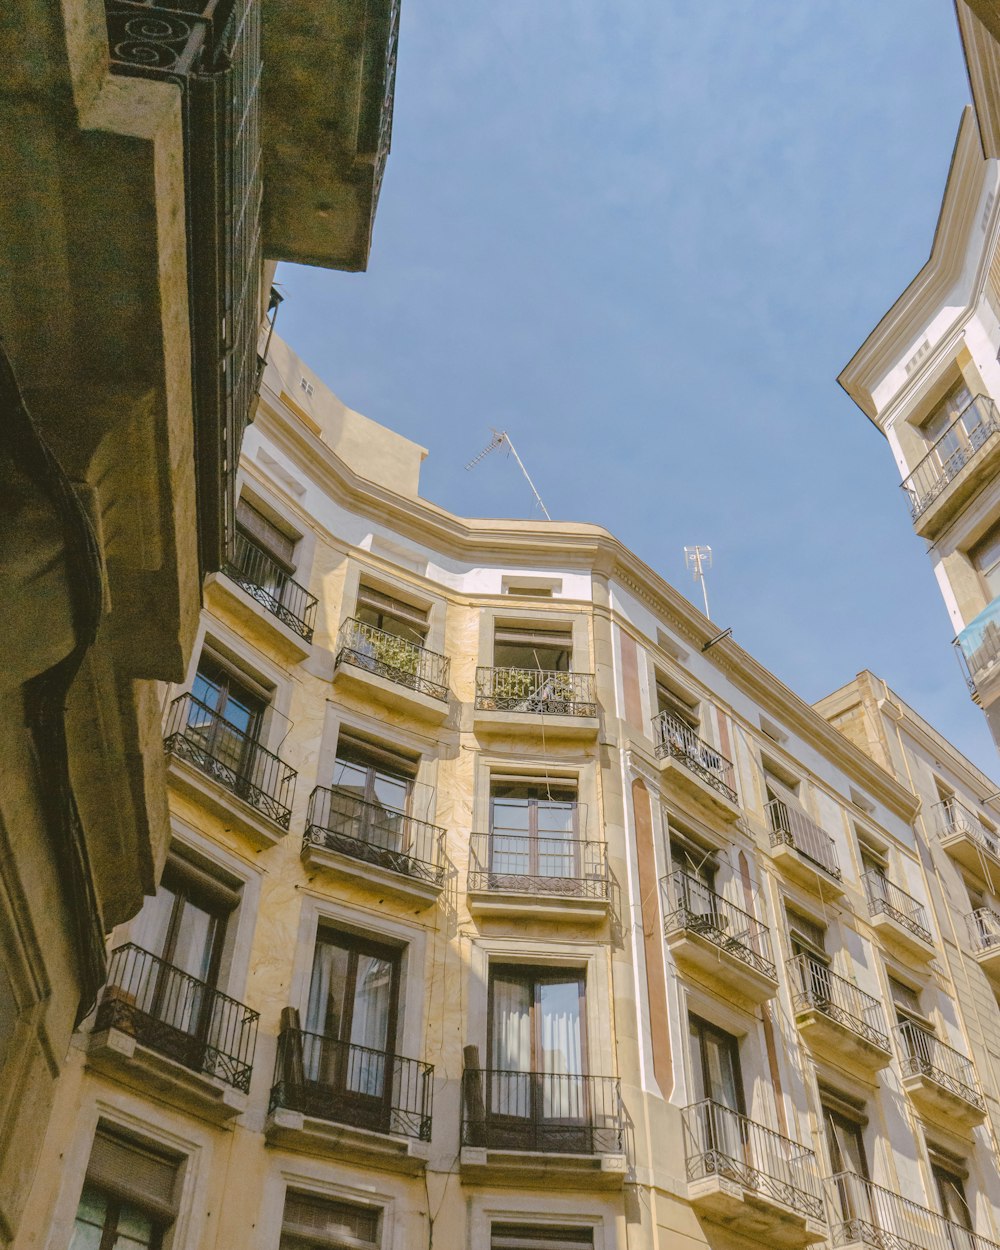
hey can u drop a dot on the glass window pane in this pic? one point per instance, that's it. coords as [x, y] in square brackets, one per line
[327, 989]
[559, 1026]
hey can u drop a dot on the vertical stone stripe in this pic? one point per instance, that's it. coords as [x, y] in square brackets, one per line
[725, 741]
[652, 939]
[630, 680]
[765, 1011]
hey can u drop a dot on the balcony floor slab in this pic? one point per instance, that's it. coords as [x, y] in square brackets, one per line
[538, 1169]
[692, 951]
[940, 1105]
[379, 880]
[839, 1046]
[226, 597]
[753, 1215]
[513, 905]
[291, 1130]
[254, 825]
[396, 696]
[804, 872]
[681, 781]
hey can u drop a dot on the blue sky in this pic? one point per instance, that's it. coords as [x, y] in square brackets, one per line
[644, 236]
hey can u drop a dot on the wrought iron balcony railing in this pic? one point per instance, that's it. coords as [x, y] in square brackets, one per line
[816, 986]
[353, 1085]
[885, 898]
[984, 930]
[720, 1142]
[551, 692]
[196, 733]
[689, 904]
[263, 579]
[178, 1016]
[544, 1112]
[340, 821]
[949, 455]
[673, 739]
[922, 1053]
[863, 1214]
[792, 827]
[394, 658]
[952, 817]
[540, 864]
[977, 647]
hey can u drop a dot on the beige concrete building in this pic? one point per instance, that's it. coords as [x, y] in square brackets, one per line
[152, 173]
[508, 905]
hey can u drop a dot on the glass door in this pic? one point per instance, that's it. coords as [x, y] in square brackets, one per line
[846, 1147]
[533, 833]
[369, 805]
[724, 1143]
[226, 717]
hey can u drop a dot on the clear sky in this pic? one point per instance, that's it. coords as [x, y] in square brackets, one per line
[644, 236]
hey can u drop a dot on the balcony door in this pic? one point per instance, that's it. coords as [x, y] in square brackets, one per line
[533, 833]
[718, 1080]
[537, 1061]
[226, 717]
[947, 436]
[954, 1207]
[849, 1163]
[351, 1031]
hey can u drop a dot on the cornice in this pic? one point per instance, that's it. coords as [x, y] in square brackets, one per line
[899, 328]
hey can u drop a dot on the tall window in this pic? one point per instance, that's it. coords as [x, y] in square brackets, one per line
[716, 1056]
[226, 716]
[128, 1200]
[677, 704]
[547, 649]
[943, 423]
[533, 829]
[985, 556]
[539, 1237]
[373, 775]
[251, 522]
[843, 1128]
[391, 615]
[369, 803]
[950, 1187]
[314, 1223]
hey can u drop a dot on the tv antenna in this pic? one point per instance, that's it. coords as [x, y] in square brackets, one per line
[500, 439]
[698, 559]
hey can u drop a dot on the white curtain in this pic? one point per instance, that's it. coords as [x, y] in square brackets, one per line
[511, 1093]
[370, 1024]
[562, 1053]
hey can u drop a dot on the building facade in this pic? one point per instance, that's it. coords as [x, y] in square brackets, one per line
[153, 174]
[507, 906]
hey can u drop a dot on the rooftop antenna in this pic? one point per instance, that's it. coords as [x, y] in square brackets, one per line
[698, 559]
[501, 438]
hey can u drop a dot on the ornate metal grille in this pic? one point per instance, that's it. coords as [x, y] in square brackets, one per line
[816, 987]
[546, 865]
[792, 827]
[885, 898]
[868, 1215]
[546, 691]
[671, 737]
[394, 658]
[338, 820]
[984, 929]
[967, 435]
[690, 905]
[178, 1016]
[196, 733]
[921, 1053]
[260, 575]
[354, 1085]
[720, 1142]
[546, 1112]
[952, 818]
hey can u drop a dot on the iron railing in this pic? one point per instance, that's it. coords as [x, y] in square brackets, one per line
[960, 442]
[212, 51]
[868, 1215]
[815, 986]
[885, 898]
[354, 1085]
[690, 905]
[539, 864]
[952, 817]
[721, 1142]
[178, 1016]
[671, 737]
[792, 827]
[551, 692]
[339, 820]
[394, 658]
[547, 1112]
[262, 577]
[984, 929]
[922, 1053]
[977, 648]
[198, 734]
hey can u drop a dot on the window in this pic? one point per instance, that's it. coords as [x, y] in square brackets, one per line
[391, 615]
[536, 647]
[843, 1123]
[716, 1056]
[128, 1200]
[985, 557]
[372, 774]
[950, 1187]
[226, 715]
[677, 704]
[807, 937]
[265, 535]
[533, 830]
[693, 860]
[906, 1002]
[539, 1237]
[351, 1023]
[941, 424]
[314, 1223]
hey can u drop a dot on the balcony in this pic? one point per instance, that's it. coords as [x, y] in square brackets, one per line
[804, 851]
[260, 583]
[392, 671]
[940, 1081]
[161, 1029]
[745, 1176]
[839, 1023]
[968, 842]
[539, 877]
[375, 846]
[984, 940]
[713, 938]
[541, 702]
[218, 764]
[350, 1102]
[694, 767]
[864, 1216]
[898, 919]
[538, 1126]
[959, 462]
